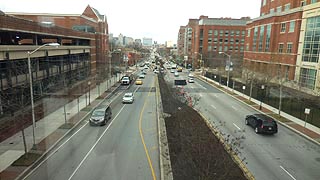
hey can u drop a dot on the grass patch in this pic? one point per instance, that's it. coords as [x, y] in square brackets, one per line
[280, 118]
[66, 126]
[87, 109]
[26, 159]
[249, 102]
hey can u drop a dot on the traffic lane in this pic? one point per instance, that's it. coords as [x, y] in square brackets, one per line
[286, 146]
[120, 153]
[63, 159]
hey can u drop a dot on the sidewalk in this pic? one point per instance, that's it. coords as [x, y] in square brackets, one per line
[299, 126]
[49, 130]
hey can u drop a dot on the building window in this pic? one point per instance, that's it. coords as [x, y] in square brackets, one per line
[243, 33]
[225, 49]
[209, 48]
[292, 26]
[307, 78]
[209, 40]
[268, 37]
[248, 33]
[311, 44]
[302, 3]
[215, 40]
[279, 8]
[287, 7]
[220, 48]
[210, 32]
[289, 47]
[255, 37]
[283, 27]
[313, 1]
[264, 2]
[215, 48]
[215, 32]
[226, 40]
[221, 32]
[261, 38]
[237, 33]
[280, 48]
[226, 33]
[237, 41]
[231, 40]
[247, 47]
[271, 10]
[220, 41]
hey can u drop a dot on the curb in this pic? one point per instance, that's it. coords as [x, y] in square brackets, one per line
[22, 175]
[165, 163]
[283, 124]
[233, 155]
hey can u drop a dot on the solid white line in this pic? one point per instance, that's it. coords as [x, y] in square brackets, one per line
[213, 107]
[202, 86]
[95, 144]
[234, 108]
[236, 126]
[287, 172]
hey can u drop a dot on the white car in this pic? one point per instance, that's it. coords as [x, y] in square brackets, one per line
[191, 80]
[156, 71]
[142, 76]
[176, 74]
[128, 98]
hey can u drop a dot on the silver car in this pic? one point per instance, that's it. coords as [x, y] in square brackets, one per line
[128, 98]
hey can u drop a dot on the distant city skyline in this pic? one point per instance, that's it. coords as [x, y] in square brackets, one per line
[159, 20]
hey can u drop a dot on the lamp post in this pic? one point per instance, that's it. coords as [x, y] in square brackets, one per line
[227, 66]
[31, 88]
[262, 88]
[89, 83]
[200, 60]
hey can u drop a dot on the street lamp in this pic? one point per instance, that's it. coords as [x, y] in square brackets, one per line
[31, 87]
[262, 88]
[89, 83]
[200, 60]
[228, 66]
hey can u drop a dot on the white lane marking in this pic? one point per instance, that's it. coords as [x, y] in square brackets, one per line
[215, 95]
[202, 86]
[95, 144]
[287, 172]
[234, 108]
[213, 107]
[236, 126]
[200, 95]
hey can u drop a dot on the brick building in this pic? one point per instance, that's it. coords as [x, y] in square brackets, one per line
[276, 48]
[83, 47]
[206, 37]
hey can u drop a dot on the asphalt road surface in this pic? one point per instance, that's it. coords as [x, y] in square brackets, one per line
[284, 156]
[125, 148]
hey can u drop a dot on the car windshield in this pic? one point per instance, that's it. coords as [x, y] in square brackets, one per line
[98, 113]
[193, 87]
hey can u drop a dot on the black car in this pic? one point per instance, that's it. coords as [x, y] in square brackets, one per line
[262, 123]
[100, 115]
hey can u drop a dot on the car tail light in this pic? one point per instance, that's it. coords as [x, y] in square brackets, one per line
[261, 126]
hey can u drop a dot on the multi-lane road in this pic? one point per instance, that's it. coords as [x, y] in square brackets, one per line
[284, 156]
[125, 148]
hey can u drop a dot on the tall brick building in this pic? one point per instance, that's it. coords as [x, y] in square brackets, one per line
[206, 37]
[282, 44]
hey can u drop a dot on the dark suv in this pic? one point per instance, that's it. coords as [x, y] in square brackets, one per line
[100, 115]
[262, 123]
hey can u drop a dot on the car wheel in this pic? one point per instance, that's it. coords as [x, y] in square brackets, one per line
[256, 130]
[246, 121]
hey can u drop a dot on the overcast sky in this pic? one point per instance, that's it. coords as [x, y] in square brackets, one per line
[158, 19]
